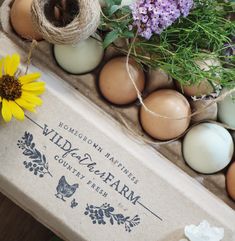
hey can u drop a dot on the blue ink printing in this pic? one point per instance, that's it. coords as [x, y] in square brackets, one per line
[105, 213]
[64, 190]
[73, 203]
[37, 162]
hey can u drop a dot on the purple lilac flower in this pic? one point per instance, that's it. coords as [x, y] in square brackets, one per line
[153, 16]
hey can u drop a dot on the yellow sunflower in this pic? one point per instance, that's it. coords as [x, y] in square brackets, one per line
[18, 92]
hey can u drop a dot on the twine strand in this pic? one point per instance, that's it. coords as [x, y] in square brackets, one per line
[82, 27]
[28, 62]
[139, 95]
[146, 140]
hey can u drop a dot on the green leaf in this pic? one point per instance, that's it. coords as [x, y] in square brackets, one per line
[113, 9]
[110, 38]
[118, 2]
[110, 3]
[128, 34]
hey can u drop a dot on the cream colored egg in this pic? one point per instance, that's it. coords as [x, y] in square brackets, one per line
[208, 148]
[80, 58]
[226, 109]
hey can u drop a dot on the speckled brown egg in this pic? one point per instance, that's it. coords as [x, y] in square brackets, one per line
[167, 103]
[115, 83]
[230, 180]
[21, 20]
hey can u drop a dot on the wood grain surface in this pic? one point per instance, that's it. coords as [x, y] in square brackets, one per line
[17, 225]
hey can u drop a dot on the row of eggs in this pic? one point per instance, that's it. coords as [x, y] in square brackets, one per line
[207, 148]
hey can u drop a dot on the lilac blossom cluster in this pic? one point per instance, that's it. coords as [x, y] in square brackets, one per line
[153, 16]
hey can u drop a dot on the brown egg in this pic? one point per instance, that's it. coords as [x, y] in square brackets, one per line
[230, 180]
[204, 87]
[169, 103]
[115, 83]
[21, 20]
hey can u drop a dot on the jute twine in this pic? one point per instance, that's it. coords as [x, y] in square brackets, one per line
[82, 26]
[139, 95]
[142, 139]
[154, 113]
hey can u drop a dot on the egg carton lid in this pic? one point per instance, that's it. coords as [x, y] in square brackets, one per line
[98, 183]
[86, 84]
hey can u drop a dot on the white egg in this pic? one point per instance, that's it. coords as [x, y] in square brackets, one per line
[80, 58]
[208, 148]
[226, 109]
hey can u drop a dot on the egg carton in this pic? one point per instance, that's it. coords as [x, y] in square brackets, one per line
[186, 192]
[129, 192]
[87, 85]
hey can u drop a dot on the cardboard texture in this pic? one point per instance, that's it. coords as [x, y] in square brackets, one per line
[88, 160]
[98, 183]
[86, 84]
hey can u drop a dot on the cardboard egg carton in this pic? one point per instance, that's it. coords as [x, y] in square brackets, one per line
[74, 169]
[87, 85]
[150, 197]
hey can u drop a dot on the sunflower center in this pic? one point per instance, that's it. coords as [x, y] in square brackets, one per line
[10, 87]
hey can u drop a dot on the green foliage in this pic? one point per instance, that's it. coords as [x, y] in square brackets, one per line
[198, 37]
[116, 21]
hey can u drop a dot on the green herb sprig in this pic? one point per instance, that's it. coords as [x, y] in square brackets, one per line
[199, 37]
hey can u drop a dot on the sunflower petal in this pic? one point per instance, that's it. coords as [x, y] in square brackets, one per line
[25, 104]
[34, 86]
[31, 98]
[32, 110]
[17, 112]
[11, 64]
[0, 99]
[29, 78]
[14, 63]
[36, 92]
[6, 111]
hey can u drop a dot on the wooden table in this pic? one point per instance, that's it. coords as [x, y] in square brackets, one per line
[17, 225]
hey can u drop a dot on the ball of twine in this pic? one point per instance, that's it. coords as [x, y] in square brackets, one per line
[82, 26]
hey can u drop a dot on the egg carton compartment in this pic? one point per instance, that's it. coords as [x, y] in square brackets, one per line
[87, 85]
